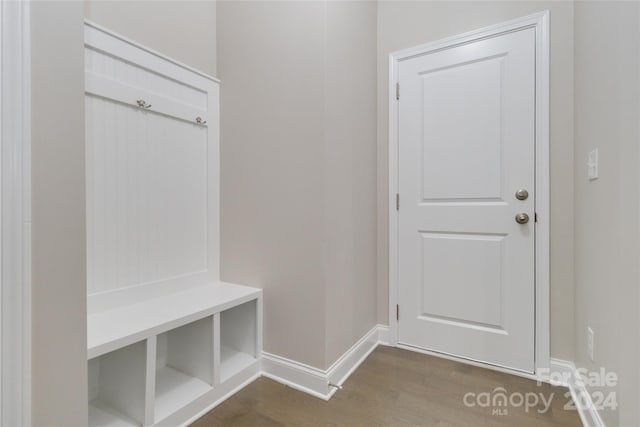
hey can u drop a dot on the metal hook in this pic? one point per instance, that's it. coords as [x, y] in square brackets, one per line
[200, 121]
[142, 103]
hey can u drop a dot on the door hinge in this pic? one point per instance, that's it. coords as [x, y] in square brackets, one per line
[397, 311]
[397, 201]
[535, 217]
[397, 90]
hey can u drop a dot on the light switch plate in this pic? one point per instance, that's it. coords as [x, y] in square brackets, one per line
[592, 165]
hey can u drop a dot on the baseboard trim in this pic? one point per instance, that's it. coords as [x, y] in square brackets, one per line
[582, 398]
[321, 383]
[316, 382]
[296, 375]
[384, 335]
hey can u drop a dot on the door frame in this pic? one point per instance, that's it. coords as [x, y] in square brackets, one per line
[539, 21]
[15, 212]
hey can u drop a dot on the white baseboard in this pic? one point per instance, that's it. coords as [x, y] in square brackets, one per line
[586, 409]
[296, 375]
[320, 383]
[316, 382]
[384, 335]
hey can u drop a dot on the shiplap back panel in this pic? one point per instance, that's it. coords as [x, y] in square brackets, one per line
[108, 66]
[152, 173]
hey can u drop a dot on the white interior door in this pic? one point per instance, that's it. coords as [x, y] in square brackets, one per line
[466, 134]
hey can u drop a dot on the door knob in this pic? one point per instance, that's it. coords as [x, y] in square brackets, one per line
[522, 218]
[522, 194]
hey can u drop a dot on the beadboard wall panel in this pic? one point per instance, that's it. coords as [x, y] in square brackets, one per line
[152, 170]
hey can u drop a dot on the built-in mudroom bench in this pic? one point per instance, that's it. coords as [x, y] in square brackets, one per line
[166, 359]
[167, 340]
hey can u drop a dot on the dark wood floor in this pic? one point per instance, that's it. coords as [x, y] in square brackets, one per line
[395, 387]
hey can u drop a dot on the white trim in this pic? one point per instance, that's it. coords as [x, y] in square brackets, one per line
[542, 192]
[383, 334]
[539, 21]
[296, 375]
[94, 38]
[221, 399]
[581, 397]
[316, 381]
[15, 212]
[346, 364]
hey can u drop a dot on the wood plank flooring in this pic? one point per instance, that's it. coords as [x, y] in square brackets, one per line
[395, 387]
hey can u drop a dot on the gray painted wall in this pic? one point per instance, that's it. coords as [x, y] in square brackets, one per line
[271, 63]
[59, 366]
[305, 187]
[350, 174]
[183, 30]
[298, 169]
[607, 217]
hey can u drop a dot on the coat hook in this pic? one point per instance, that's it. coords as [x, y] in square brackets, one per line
[200, 121]
[142, 103]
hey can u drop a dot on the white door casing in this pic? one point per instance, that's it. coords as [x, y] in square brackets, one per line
[466, 134]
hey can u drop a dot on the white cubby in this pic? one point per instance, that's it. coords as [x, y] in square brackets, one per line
[238, 339]
[117, 387]
[161, 361]
[160, 323]
[184, 366]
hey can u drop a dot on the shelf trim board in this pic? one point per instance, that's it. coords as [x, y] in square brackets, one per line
[103, 415]
[140, 321]
[175, 390]
[205, 403]
[232, 362]
[216, 349]
[150, 386]
[259, 327]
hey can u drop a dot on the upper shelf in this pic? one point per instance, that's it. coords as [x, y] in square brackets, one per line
[113, 329]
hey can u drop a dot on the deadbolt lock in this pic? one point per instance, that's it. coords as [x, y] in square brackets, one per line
[522, 194]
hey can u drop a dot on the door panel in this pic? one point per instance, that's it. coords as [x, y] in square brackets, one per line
[466, 145]
[463, 119]
[462, 261]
